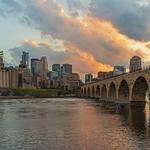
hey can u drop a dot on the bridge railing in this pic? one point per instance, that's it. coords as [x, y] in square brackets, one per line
[146, 68]
[127, 73]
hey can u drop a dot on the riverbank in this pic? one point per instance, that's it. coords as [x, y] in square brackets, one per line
[15, 97]
[40, 93]
[31, 97]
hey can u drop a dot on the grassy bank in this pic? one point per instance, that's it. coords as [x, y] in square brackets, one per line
[39, 92]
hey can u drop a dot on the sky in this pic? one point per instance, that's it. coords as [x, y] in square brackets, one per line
[93, 35]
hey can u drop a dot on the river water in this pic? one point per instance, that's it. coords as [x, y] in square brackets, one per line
[71, 124]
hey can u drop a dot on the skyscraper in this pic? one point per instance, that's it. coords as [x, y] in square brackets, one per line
[57, 68]
[67, 70]
[44, 63]
[25, 60]
[36, 66]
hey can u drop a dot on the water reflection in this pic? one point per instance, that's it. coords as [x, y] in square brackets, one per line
[71, 124]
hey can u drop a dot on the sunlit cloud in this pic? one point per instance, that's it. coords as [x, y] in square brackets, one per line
[84, 60]
[87, 39]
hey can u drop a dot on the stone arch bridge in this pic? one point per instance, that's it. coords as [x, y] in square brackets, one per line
[123, 88]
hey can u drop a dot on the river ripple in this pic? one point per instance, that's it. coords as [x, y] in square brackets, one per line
[71, 124]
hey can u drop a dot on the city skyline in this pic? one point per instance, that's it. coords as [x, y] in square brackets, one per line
[83, 33]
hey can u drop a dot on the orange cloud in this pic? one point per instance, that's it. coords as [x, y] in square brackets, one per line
[105, 31]
[84, 61]
[33, 43]
[91, 44]
[100, 38]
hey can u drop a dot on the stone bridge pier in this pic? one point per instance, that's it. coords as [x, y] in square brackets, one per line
[126, 88]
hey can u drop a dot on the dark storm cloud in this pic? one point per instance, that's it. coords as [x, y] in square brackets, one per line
[130, 16]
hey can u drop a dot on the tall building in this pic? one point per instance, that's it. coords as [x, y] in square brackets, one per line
[36, 66]
[135, 64]
[88, 78]
[25, 60]
[44, 63]
[57, 68]
[67, 70]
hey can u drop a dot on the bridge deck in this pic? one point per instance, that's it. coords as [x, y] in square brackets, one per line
[124, 75]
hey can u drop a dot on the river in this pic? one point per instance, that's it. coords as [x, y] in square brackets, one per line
[71, 124]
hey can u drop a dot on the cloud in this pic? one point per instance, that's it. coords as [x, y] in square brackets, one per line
[82, 61]
[36, 50]
[94, 40]
[130, 17]
[97, 36]
[10, 6]
[77, 7]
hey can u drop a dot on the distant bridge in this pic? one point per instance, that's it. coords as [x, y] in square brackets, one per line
[129, 87]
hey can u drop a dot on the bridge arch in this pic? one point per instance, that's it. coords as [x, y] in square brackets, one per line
[104, 92]
[93, 91]
[140, 88]
[88, 92]
[98, 92]
[112, 92]
[124, 92]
